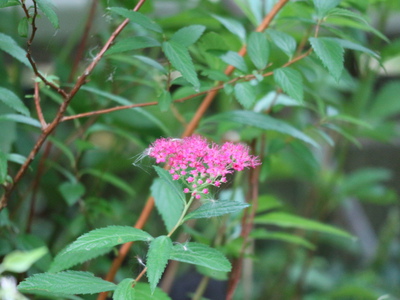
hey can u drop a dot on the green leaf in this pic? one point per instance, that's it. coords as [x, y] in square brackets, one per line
[164, 101]
[133, 43]
[94, 243]
[3, 167]
[233, 26]
[72, 191]
[258, 49]
[123, 101]
[284, 41]
[47, 8]
[245, 94]
[202, 255]
[215, 209]
[330, 52]
[323, 6]
[7, 3]
[20, 261]
[23, 27]
[152, 63]
[261, 121]
[20, 119]
[8, 45]
[282, 219]
[137, 18]
[354, 46]
[157, 259]
[64, 149]
[140, 291]
[188, 35]
[386, 103]
[290, 81]
[175, 186]
[262, 234]
[111, 179]
[68, 282]
[168, 203]
[180, 59]
[234, 59]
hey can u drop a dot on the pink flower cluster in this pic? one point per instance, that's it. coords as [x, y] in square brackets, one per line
[199, 163]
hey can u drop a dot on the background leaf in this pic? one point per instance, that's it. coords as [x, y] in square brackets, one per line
[157, 259]
[323, 6]
[3, 167]
[234, 59]
[20, 261]
[179, 57]
[137, 18]
[233, 26]
[215, 209]
[330, 52]
[290, 81]
[283, 40]
[202, 255]
[141, 291]
[258, 49]
[132, 43]
[282, 219]
[261, 121]
[175, 186]
[68, 282]
[72, 191]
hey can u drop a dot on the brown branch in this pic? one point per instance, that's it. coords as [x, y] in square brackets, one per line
[38, 107]
[67, 99]
[83, 41]
[247, 226]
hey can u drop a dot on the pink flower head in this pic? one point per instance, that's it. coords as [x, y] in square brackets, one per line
[204, 163]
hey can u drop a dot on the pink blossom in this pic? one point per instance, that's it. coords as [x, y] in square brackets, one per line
[201, 162]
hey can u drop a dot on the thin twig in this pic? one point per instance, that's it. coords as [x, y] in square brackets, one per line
[38, 107]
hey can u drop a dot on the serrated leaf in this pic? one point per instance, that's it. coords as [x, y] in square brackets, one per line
[151, 62]
[140, 291]
[157, 259]
[282, 219]
[68, 282]
[233, 26]
[20, 119]
[137, 18]
[95, 243]
[284, 41]
[262, 234]
[290, 81]
[23, 27]
[168, 203]
[188, 35]
[330, 52]
[3, 167]
[245, 94]
[175, 186]
[202, 255]
[215, 209]
[164, 101]
[258, 49]
[20, 261]
[133, 43]
[72, 191]
[323, 6]
[234, 59]
[47, 8]
[180, 59]
[8, 45]
[261, 121]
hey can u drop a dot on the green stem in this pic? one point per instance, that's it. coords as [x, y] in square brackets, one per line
[201, 288]
[179, 223]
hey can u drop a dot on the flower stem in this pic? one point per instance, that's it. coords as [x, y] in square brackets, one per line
[179, 223]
